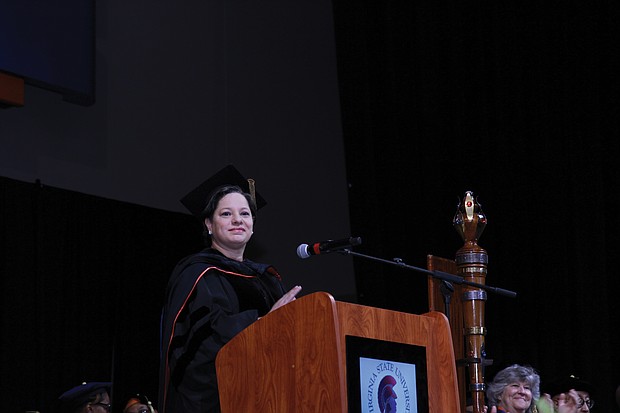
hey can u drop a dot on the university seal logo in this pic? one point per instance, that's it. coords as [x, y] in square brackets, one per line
[385, 386]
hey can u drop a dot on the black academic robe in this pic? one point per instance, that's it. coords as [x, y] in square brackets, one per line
[209, 299]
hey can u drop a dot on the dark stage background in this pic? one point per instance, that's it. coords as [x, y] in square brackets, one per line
[82, 284]
[518, 103]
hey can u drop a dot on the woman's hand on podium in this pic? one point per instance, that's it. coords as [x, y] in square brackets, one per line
[286, 298]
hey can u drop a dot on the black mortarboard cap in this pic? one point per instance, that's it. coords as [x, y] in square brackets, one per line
[564, 384]
[197, 199]
[78, 396]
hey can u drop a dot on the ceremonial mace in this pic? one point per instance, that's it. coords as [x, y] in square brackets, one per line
[471, 262]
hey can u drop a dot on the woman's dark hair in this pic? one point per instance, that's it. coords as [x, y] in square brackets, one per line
[214, 200]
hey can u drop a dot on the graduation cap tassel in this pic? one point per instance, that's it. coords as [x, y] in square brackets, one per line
[252, 187]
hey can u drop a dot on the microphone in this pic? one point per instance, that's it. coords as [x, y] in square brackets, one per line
[325, 247]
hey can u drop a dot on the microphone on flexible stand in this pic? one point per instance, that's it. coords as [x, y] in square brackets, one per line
[344, 245]
[325, 247]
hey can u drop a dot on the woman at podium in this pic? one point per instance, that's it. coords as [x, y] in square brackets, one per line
[213, 295]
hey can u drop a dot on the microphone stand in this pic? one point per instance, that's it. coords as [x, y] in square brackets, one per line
[447, 278]
[446, 289]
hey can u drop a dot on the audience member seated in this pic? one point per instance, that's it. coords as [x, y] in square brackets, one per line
[139, 404]
[570, 395]
[513, 390]
[91, 397]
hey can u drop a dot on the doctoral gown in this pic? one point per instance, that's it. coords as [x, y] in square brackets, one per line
[209, 299]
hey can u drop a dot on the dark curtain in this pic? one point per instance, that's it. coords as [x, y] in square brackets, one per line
[519, 103]
[82, 281]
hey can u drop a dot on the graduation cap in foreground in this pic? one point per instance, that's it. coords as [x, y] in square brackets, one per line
[197, 199]
[78, 396]
[564, 384]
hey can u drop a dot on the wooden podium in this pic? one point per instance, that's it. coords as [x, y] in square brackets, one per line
[294, 359]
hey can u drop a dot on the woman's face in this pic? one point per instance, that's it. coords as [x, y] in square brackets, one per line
[516, 397]
[232, 224]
